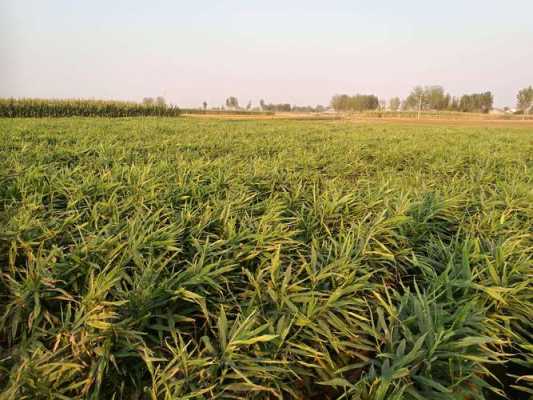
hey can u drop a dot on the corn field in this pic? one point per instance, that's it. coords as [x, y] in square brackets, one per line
[37, 108]
[205, 259]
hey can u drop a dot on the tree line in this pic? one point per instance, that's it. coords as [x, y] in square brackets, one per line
[421, 98]
[232, 103]
[434, 98]
[358, 102]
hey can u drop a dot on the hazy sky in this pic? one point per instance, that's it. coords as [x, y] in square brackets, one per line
[294, 51]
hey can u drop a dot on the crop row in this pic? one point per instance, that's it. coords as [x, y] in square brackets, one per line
[200, 259]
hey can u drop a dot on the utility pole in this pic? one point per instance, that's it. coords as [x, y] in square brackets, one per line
[419, 105]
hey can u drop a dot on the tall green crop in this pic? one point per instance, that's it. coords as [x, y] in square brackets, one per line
[12, 108]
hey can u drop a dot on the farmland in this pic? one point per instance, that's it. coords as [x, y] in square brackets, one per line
[182, 258]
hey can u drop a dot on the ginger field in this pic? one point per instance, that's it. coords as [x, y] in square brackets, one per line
[180, 258]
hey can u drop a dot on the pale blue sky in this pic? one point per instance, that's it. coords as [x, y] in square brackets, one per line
[300, 52]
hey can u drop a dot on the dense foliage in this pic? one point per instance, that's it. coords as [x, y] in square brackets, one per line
[82, 108]
[435, 98]
[182, 259]
[427, 98]
[476, 102]
[524, 100]
[358, 102]
[282, 107]
[302, 109]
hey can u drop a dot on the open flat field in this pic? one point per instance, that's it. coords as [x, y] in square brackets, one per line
[181, 258]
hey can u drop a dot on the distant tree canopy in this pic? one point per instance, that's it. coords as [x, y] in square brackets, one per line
[524, 99]
[476, 102]
[359, 102]
[317, 108]
[428, 98]
[284, 107]
[435, 98]
[394, 104]
[158, 101]
[232, 102]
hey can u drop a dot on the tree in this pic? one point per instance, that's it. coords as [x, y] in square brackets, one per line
[262, 104]
[525, 100]
[394, 103]
[148, 101]
[284, 107]
[160, 101]
[436, 98]
[340, 102]
[476, 102]
[308, 109]
[358, 102]
[249, 105]
[415, 98]
[454, 104]
[204, 104]
[232, 102]
[428, 98]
